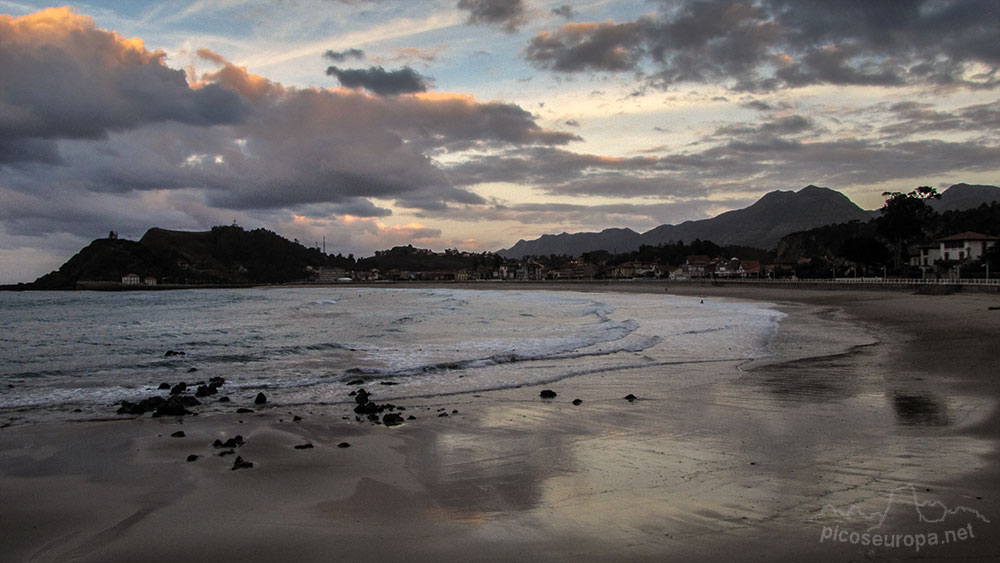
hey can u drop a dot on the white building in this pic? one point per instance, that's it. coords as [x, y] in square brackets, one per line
[131, 279]
[965, 246]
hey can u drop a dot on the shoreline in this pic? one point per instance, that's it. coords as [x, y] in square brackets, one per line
[731, 470]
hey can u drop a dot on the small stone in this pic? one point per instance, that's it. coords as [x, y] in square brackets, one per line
[388, 383]
[192, 457]
[356, 382]
[577, 402]
[296, 418]
[343, 445]
[192, 370]
[260, 399]
[226, 452]
[178, 434]
[224, 399]
[179, 388]
[164, 386]
[547, 394]
[411, 417]
[172, 353]
[243, 410]
[442, 414]
[240, 463]
[303, 447]
[392, 419]
[630, 398]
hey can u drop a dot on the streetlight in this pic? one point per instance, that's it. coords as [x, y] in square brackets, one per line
[987, 266]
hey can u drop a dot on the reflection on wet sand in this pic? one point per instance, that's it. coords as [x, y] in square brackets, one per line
[919, 410]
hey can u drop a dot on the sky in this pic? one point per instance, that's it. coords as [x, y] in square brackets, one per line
[472, 124]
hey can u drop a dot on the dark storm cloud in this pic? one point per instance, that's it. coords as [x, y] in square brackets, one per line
[380, 81]
[507, 13]
[540, 165]
[66, 79]
[786, 125]
[102, 126]
[565, 11]
[915, 118]
[588, 46]
[770, 44]
[341, 56]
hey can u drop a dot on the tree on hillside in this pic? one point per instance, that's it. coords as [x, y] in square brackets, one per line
[905, 217]
[864, 251]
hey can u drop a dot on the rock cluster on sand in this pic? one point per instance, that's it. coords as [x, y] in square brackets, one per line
[176, 405]
[179, 399]
[371, 409]
[547, 394]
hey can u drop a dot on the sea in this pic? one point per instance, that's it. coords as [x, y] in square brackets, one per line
[77, 354]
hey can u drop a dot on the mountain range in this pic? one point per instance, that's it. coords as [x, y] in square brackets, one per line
[761, 225]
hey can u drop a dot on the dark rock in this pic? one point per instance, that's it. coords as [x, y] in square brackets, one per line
[260, 399]
[164, 386]
[239, 463]
[224, 399]
[192, 457]
[442, 414]
[176, 405]
[192, 370]
[303, 447]
[172, 353]
[373, 417]
[216, 381]
[234, 442]
[547, 394]
[205, 390]
[343, 445]
[296, 418]
[356, 382]
[392, 419]
[577, 402]
[366, 408]
[178, 434]
[454, 411]
[226, 452]
[411, 417]
[630, 398]
[179, 388]
[243, 410]
[361, 397]
[187, 401]
[388, 383]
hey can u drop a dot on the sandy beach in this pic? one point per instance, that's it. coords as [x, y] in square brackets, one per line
[800, 457]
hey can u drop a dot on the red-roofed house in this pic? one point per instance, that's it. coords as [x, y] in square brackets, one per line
[698, 266]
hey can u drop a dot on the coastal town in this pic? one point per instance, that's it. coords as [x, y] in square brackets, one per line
[951, 258]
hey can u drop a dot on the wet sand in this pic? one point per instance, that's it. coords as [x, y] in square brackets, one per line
[761, 465]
